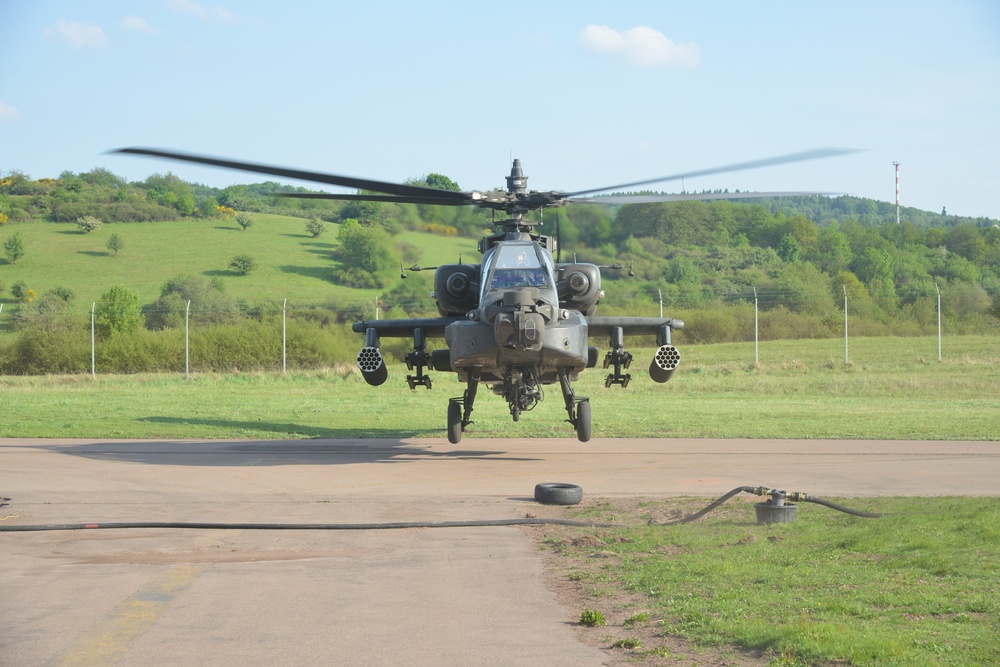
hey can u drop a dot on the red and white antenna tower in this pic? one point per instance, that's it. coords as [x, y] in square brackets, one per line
[896, 164]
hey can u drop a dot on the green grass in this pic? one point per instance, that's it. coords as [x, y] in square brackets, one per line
[709, 396]
[916, 587]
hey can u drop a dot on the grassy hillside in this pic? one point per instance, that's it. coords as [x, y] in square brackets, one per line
[292, 264]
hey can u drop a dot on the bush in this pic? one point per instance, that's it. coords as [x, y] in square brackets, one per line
[592, 618]
[88, 223]
[242, 264]
[209, 305]
[315, 228]
[21, 293]
[142, 352]
[51, 340]
[244, 220]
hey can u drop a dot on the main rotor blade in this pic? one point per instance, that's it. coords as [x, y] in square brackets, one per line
[436, 201]
[753, 164]
[688, 196]
[458, 198]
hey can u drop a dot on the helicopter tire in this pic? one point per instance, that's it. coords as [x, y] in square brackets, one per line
[556, 493]
[454, 422]
[583, 424]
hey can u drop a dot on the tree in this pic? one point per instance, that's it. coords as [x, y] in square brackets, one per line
[244, 220]
[789, 248]
[365, 256]
[441, 182]
[315, 228]
[209, 303]
[14, 247]
[115, 243]
[117, 312]
[88, 223]
[242, 264]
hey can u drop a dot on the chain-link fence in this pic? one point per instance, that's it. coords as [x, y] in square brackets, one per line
[764, 330]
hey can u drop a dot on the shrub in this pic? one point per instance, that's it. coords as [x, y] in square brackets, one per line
[51, 340]
[315, 228]
[88, 223]
[21, 293]
[62, 293]
[209, 305]
[592, 618]
[244, 220]
[242, 264]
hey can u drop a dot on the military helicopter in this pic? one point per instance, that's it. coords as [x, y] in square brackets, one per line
[521, 319]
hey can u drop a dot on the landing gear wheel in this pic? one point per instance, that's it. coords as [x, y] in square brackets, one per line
[583, 421]
[555, 493]
[454, 422]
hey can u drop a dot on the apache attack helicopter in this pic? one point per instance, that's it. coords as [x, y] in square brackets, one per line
[519, 320]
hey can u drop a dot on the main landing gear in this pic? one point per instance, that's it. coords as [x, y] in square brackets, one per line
[578, 408]
[460, 409]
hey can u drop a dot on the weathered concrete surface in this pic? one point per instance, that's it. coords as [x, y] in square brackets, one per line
[463, 596]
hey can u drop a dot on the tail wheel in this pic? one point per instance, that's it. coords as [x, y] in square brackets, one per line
[454, 422]
[583, 429]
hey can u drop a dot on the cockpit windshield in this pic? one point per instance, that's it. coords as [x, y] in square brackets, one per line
[518, 266]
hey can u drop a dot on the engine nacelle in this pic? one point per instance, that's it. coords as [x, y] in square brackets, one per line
[579, 287]
[456, 289]
[664, 363]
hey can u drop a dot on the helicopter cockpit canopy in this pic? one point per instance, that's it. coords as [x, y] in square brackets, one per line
[514, 264]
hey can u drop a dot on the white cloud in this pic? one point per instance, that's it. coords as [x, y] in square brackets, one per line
[78, 35]
[640, 46]
[219, 14]
[137, 24]
[8, 113]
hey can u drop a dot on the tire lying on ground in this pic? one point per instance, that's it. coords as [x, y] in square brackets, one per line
[557, 493]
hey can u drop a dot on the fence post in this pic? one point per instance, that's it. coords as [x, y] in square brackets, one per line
[187, 349]
[756, 336]
[93, 355]
[847, 358]
[939, 318]
[284, 339]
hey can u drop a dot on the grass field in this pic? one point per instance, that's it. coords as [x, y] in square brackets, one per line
[293, 265]
[710, 396]
[915, 587]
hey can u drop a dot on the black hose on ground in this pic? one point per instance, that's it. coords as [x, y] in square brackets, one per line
[303, 526]
[756, 490]
[841, 508]
[764, 491]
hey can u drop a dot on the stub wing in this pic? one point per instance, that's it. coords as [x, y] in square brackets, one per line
[632, 326]
[432, 327]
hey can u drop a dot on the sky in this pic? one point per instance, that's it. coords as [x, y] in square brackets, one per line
[586, 94]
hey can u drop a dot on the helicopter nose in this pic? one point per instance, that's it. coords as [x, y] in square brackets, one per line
[523, 331]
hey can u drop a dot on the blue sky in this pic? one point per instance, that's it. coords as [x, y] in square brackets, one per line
[585, 93]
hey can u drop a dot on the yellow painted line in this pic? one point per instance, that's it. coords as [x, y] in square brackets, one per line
[108, 640]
